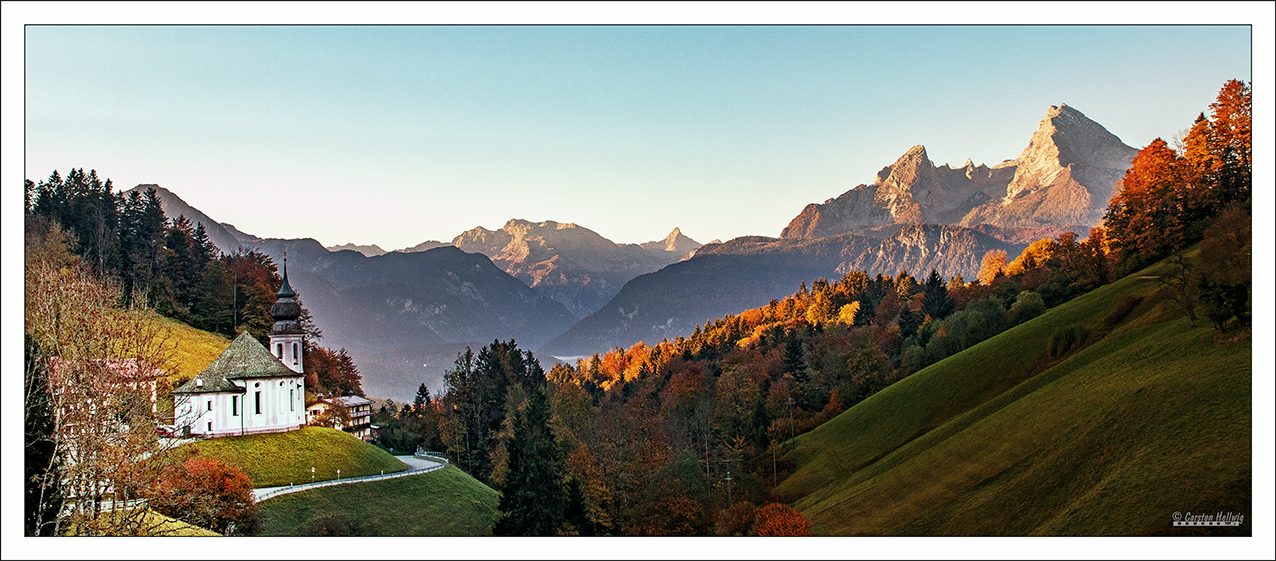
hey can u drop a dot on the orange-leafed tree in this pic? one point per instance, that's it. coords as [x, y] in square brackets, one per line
[778, 519]
[1145, 217]
[993, 262]
[208, 493]
[1231, 130]
[1168, 196]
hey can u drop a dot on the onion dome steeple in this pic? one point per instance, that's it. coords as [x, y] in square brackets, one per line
[285, 289]
[286, 309]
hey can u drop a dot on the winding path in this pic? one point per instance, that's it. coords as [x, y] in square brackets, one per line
[416, 464]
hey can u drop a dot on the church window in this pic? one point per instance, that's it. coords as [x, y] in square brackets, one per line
[292, 400]
[210, 405]
[210, 426]
[234, 405]
[258, 402]
[279, 350]
[294, 353]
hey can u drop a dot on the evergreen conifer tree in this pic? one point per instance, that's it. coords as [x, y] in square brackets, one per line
[937, 303]
[533, 501]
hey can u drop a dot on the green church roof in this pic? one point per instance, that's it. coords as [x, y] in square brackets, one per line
[244, 358]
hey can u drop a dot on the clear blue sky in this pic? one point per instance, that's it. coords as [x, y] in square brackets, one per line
[396, 135]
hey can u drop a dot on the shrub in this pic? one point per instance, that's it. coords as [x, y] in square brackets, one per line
[1027, 305]
[1065, 340]
[737, 520]
[778, 519]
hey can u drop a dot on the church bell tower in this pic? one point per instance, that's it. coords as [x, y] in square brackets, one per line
[286, 335]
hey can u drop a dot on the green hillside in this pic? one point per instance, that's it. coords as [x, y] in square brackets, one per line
[286, 457]
[447, 502]
[1151, 418]
[193, 349]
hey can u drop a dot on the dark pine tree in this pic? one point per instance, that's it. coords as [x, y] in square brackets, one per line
[794, 355]
[937, 303]
[533, 501]
[422, 396]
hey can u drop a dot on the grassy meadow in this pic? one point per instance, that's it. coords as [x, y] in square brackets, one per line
[282, 458]
[446, 502]
[1146, 417]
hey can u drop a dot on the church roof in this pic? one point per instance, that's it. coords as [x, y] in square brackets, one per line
[244, 358]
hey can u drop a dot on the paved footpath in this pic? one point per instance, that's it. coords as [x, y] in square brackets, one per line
[416, 464]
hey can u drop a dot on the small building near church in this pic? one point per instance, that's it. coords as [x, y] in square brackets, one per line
[248, 389]
[358, 411]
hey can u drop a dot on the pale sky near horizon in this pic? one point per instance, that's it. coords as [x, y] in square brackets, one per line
[396, 135]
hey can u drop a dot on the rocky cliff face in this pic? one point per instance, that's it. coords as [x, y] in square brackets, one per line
[1064, 177]
[573, 265]
[918, 248]
[675, 243]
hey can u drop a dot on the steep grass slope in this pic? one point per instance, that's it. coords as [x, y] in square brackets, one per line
[193, 349]
[447, 502]
[282, 458]
[1151, 418]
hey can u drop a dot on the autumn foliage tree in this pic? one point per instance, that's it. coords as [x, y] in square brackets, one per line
[1171, 193]
[331, 372]
[208, 493]
[1144, 218]
[778, 519]
[88, 360]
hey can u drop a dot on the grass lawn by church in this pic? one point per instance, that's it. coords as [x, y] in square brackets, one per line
[283, 458]
[447, 502]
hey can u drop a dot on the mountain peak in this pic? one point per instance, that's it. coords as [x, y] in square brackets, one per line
[675, 242]
[1065, 139]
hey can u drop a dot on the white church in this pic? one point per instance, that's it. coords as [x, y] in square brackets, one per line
[250, 389]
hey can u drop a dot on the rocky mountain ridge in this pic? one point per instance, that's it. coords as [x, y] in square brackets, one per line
[1063, 178]
[571, 264]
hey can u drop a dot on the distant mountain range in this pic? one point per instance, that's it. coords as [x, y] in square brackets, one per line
[748, 272]
[571, 264]
[566, 291]
[403, 315]
[913, 217]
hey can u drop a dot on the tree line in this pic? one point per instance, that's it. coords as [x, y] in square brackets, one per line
[1196, 188]
[171, 266]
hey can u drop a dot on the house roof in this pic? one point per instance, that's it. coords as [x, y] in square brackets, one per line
[352, 401]
[129, 370]
[245, 358]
